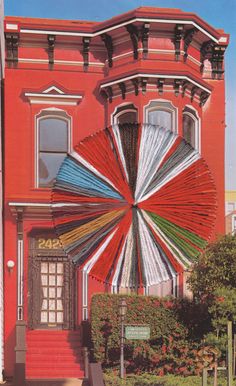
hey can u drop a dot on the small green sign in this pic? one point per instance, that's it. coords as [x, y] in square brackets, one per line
[137, 332]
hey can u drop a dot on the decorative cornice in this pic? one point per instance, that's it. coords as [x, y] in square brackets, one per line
[12, 43]
[144, 37]
[179, 30]
[51, 46]
[188, 37]
[53, 95]
[134, 36]
[107, 39]
[86, 45]
[180, 84]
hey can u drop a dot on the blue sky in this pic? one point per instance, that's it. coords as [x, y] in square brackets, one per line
[218, 13]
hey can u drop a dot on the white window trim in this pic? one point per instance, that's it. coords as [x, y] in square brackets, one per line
[192, 113]
[50, 113]
[162, 105]
[116, 115]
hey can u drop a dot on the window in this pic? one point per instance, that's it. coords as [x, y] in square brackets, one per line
[125, 114]
[53, 142]
[162, 114]
[190, 127]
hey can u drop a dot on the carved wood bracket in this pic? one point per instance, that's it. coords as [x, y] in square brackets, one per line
[107, 39]
[12, 44]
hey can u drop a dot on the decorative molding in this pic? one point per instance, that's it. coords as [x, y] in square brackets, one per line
[203, 98]
[167, 77]
[188, 37]
[110, 93]
[206, 52]
[134, 36]
[217, 61]
[160, 85]
[107, 39]
[53, 95]
[51, 46]
[119, 25]
[122, 87]
[177, 84]
[136, 86]
[12, 43]
[86, 46]
[179, 30]
[144, 37]
[144, 84]
[193, 92]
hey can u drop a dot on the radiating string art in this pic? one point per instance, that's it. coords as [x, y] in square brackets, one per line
[134, 205]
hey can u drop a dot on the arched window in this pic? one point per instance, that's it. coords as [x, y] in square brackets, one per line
[191, 127]
[125, 114]
[53, 145]
[161, 113]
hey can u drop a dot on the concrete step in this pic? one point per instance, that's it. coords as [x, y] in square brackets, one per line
[57, 382]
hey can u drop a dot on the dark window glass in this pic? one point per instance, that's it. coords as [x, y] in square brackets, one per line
[53, 145]
[161, 118]
[189, 129]
[127, 117]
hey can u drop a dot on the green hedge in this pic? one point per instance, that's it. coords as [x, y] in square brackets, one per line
[168, 380]
[168, 351]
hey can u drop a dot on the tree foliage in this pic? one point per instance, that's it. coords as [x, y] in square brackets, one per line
[216, 268]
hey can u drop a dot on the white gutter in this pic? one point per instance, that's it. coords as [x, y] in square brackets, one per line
[109, 29]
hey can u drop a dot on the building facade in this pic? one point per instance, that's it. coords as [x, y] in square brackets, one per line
[230, 211]
[64, 81]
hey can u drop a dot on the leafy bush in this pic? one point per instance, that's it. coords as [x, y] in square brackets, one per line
[168, 380]
[216, 268]
[169, 349]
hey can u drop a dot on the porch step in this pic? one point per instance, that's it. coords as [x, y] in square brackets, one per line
[54, 355]
[58, 382]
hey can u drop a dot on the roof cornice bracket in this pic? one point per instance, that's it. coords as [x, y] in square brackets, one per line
[188, 37]
[177, 84]
[144, 84]
[51, 46]
[193, 92]
[122, 87]
[136, 86]
[160, 85]
[134, 36]
[107, 39]
[217, 61]
[203, 98]
[144, 37]
[179, 30]
[86, 46]
[12, 43]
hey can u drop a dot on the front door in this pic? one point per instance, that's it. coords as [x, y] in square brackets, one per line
[51, 287]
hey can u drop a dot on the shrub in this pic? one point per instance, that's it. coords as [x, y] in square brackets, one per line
[167, 351]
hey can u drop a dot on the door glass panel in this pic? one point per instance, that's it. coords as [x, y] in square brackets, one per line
[59, 267]
[52, 293]
[44, 279]
[44, 267]
[52, 317]
[59, 317]
[59, 305]
[52, 267]
[45, 305]
[52, 282]
[44, 317]
[59, 280]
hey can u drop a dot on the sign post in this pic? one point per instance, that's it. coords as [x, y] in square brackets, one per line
[140, 332]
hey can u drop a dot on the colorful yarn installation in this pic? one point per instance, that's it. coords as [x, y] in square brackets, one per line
[134, 205]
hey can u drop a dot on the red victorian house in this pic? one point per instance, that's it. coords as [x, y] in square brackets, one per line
[133, 204]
